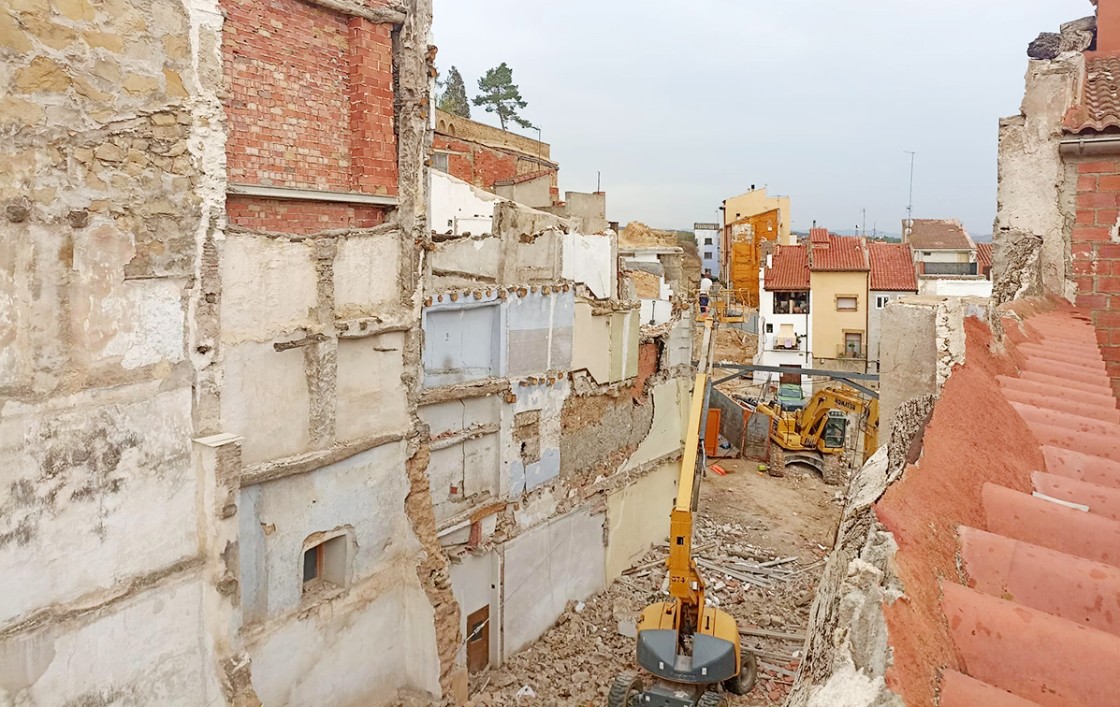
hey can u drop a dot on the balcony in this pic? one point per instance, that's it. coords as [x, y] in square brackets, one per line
[777, 342]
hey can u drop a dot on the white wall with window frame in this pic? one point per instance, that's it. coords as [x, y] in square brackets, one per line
[785, 330]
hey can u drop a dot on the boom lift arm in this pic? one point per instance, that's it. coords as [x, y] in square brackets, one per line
[688, 646]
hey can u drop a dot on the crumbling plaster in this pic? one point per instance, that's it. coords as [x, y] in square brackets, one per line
[1037, 190]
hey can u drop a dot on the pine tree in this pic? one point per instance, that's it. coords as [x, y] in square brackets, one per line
[454, 97]
[498, 94]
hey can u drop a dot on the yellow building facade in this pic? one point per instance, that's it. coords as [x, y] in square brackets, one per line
[840, 312]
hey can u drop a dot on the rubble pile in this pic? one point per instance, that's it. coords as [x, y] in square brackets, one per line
[576, 660]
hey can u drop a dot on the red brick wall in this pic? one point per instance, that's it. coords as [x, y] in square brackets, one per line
[1096, 257]
[481, 165]
[310, 106]
[303, 217]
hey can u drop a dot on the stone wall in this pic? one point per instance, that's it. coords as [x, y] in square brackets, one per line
[112, 144]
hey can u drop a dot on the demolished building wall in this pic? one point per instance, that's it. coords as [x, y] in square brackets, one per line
[542, 404]
[227, 275]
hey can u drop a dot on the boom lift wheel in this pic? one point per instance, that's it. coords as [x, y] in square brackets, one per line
[712, 699]
[624, 690]
[742, 683]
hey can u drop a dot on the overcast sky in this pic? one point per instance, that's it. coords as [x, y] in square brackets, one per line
[683, 104]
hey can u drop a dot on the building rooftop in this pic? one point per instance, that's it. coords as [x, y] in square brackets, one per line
[1099, 106]
[936, 234]
[892, 267]
[1008, 525]
[789, 269]
[983, 255]
[522, 178]
[832, 253]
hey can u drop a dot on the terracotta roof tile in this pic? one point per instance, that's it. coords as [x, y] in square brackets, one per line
[819, 235]
[892, 267]
[1039, 620]
[832, 253]
[984, 255]
[937, 234]
[789, 270]
[1099, 107]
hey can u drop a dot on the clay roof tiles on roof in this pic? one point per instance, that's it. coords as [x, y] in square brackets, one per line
[892, 267]
[937, 234]
[522, 178]
[789, 270]
[1020, 462]
[984, 255]
[1099, 107]
[832, 253]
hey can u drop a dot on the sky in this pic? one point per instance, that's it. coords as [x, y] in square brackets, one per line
[682, 104]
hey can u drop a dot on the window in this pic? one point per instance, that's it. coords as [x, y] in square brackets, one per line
[439, 161]
[926, 254]
[853, 344]
[325, 564]
[707, 241]
[708, 255]
[791, 303]
[881, 301]
[769, 328]
[847, 303]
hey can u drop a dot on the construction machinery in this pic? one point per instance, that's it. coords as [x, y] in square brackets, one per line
[822, 426]
[689, 648]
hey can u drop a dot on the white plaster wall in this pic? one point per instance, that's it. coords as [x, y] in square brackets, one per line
[371, 398]
[147, 650]
[592, 343]
[539, 333]
[678, 351]
[588, 260]
[365, 270]
[981, 287]
[944, 256]
[458, 207]
[713, 263]
[549, 400]
[352, 652]
[638, 517]
[875, 320]
[364, 494]
[1035, 196]
[98, 488]
[474, 582]
[463, 344]
[269, 288]
[151, 323]
[478, 258]
[258, 381]
[656, 311]
[671, 401]
[547, 567]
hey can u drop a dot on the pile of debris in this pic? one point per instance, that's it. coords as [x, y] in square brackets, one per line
[576, 660]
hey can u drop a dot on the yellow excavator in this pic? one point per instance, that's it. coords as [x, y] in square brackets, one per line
[822, 425]
[689, 648]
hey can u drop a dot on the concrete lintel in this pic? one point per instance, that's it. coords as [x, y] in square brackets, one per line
[380, 15]
[309, 195]
[303, 463]
[218, 440]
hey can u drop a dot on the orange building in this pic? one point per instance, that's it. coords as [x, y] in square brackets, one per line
[743, 245]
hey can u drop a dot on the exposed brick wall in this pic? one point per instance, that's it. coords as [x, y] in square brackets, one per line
[311, 98]
[374, 147]
[482, 165]
[302, 217]
[1096, 256]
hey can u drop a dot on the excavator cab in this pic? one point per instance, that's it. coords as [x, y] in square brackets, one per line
[835, 431]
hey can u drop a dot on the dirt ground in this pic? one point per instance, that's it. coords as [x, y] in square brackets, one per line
[745, 514]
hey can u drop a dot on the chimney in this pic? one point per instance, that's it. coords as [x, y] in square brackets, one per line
[752, 187]
[1108, 26]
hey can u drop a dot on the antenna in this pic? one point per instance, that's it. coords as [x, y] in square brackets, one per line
[864, 231]
[910, 203]
[598, 182]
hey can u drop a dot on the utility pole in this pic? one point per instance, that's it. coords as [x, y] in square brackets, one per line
[910, 203]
